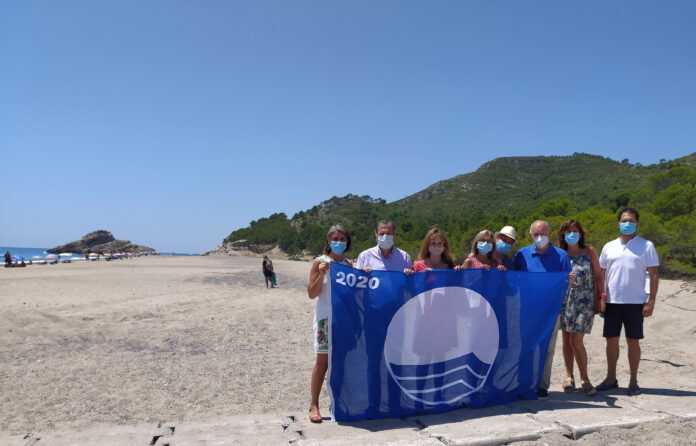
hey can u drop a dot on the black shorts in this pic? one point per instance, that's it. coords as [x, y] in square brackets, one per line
[628, 315]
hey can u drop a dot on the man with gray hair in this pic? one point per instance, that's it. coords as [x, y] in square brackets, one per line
[385, 256]
[542, 257]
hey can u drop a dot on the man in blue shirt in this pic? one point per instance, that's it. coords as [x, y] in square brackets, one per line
[543, 257]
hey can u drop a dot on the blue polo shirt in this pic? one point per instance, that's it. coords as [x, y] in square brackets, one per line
[552, 260]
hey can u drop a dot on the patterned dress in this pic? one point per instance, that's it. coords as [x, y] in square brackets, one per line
[476, 263]
[578, 306]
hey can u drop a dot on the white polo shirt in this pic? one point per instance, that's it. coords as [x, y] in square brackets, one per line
[626, 265]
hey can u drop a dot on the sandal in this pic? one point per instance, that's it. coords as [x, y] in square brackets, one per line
[588, 388]
[604, 386]
[634, 390]
[569, 385]
[315, 415]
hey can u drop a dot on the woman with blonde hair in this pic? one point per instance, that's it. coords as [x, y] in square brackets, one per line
[338, 241]
[482, 250]
[434, 253]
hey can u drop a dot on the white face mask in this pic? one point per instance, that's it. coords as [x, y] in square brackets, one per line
[436, 250]
[541, 242]
[385, 241]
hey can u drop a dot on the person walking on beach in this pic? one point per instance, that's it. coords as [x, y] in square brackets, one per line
[267, 268]
[505, 239]
[434, 253]
[624, 262]
[8, 259]
[579, 305]
[543, 257]
[338, 241]
[384, 256]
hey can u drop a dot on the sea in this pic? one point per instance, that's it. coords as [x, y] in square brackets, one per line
[28, 253]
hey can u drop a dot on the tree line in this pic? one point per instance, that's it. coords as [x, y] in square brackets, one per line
[666, 202]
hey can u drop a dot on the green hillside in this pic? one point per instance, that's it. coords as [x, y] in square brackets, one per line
[513, 191]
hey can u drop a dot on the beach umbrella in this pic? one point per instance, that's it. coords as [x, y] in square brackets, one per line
[37, 258]
[65, 254]
[51, 256]
[17, 258]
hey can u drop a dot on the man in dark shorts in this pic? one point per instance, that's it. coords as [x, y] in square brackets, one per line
[624, 262]
[267, 267]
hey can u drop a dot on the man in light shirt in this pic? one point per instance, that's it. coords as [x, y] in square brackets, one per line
[385, 256]
[624, 262]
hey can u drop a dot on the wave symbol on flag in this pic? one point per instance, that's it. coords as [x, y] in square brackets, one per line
[441, 345]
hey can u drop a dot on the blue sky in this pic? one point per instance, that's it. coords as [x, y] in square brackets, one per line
[173, 123]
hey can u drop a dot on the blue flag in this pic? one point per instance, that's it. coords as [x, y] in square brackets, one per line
[434, 341]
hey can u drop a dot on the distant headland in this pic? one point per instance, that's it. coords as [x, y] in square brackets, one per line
[100, 241]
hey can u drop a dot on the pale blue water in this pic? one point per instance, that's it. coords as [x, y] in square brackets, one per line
[28, 253]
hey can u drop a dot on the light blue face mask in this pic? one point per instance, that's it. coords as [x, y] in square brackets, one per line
[484, 247]
[627, 228]
[572, 238]
[338, 247]
[502, 247]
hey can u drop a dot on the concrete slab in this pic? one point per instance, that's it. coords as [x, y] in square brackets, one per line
[580, 417]
[675, 402]
[102, 435]
[487, 426]
[18, 440]
[392, 431]
[570, 415]
[241, 429]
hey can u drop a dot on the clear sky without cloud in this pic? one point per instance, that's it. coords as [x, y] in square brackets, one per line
[172, 123]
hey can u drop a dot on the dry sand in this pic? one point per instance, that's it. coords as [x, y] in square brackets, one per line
[195, 338]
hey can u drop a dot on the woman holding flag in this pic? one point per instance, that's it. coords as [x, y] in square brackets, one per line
[338, 241]
[482, 250]
[435, 253]
[580, 304]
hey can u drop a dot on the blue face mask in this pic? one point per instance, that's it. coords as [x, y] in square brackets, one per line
[502, 247]
[338, 247]
[572, 238]
[484, 247]
[627, 228]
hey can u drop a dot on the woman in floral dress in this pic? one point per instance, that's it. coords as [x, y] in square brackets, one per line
[579, 305]
[338, 241]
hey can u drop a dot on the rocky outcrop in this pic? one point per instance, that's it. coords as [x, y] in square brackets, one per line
[100, 241]
[240, 248]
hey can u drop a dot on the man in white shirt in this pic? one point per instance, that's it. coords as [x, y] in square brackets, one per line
[624, 262]
[385, 256]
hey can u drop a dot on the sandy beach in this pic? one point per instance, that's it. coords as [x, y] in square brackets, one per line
[184, 339]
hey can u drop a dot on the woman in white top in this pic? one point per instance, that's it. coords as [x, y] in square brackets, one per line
[338, 241]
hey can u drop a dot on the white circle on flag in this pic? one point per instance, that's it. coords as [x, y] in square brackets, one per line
[441, 345]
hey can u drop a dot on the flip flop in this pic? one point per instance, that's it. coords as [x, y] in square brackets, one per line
[604, 386]
[315, 416]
